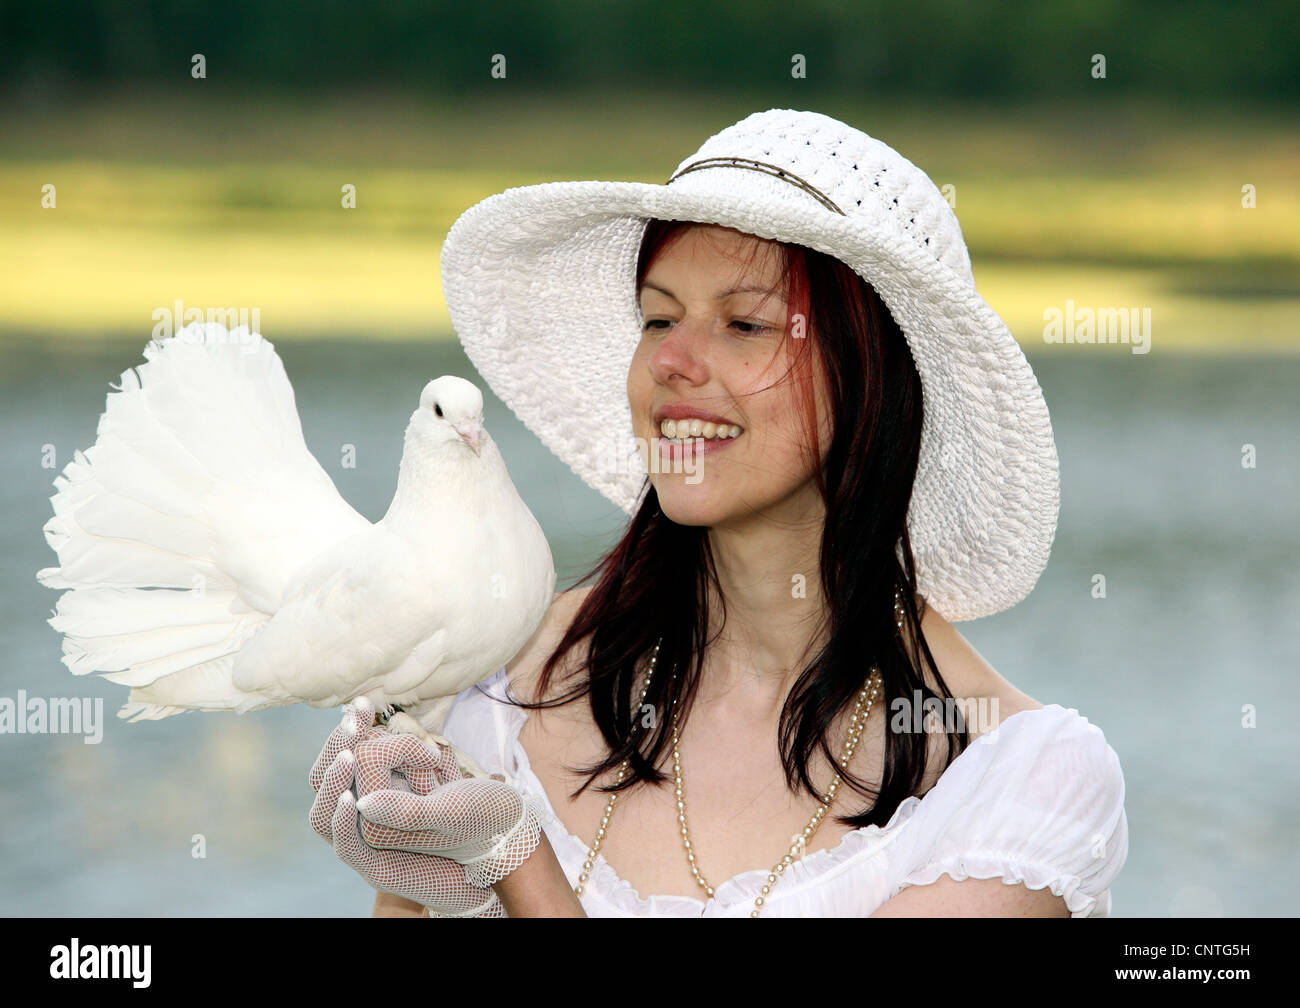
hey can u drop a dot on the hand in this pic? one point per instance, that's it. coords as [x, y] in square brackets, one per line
[485, 825]
[358, 724]
[435, 882]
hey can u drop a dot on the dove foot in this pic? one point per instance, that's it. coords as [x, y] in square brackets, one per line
[407, 725]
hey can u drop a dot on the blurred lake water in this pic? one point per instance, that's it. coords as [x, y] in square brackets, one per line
[1198, 626]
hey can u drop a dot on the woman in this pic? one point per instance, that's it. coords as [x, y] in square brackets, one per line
[762, 639]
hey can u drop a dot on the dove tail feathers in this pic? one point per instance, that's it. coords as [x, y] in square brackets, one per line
[205, 687]
[178, 530]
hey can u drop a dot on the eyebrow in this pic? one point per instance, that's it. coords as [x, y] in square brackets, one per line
[721, 295]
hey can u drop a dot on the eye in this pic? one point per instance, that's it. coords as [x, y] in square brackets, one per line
[747, 328]
[437, 409]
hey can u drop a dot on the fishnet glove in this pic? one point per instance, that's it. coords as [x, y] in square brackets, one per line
[437, 883]
[484, 824]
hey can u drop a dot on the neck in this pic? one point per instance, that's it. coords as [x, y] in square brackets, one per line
[434, 484]
[770, 575]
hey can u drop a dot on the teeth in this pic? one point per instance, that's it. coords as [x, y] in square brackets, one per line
[695, 428]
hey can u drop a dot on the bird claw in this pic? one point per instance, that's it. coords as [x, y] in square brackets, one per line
[407, 725]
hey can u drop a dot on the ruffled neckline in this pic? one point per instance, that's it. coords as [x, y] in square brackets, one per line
[745, 886]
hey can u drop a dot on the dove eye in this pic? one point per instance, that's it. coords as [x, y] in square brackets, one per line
[437, 409]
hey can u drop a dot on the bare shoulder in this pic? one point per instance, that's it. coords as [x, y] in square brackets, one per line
[524, 669]
[968, 676]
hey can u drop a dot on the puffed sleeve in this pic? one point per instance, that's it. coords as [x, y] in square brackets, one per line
[1040, 802]
[475, 723]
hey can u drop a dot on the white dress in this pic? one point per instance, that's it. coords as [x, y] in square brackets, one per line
[1038, 801]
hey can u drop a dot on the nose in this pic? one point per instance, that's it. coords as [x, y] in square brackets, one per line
[682, 352]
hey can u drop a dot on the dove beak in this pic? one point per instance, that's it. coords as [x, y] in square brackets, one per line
[470, 434]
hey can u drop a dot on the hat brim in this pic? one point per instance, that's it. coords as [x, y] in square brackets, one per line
[540, 286]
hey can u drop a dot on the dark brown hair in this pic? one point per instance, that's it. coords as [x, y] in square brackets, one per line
[876, 404]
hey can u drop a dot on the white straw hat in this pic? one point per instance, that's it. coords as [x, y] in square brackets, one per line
[540, 286]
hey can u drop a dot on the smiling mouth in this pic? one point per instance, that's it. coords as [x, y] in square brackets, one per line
[692, 431]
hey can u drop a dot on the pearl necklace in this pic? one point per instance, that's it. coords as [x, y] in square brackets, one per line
[866, 697]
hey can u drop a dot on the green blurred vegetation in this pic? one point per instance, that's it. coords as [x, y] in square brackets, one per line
[236, 202]
[994, 49]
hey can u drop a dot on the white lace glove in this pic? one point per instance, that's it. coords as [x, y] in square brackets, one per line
[483, 824]
[399, 764]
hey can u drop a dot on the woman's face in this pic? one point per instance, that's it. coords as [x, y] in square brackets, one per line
[711, 349]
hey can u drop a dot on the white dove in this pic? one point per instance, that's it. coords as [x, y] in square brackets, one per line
[214, 565]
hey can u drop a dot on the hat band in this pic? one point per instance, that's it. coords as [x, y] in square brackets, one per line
[764, 168]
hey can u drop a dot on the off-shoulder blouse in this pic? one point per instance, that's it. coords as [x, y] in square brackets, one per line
[1039, 801]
